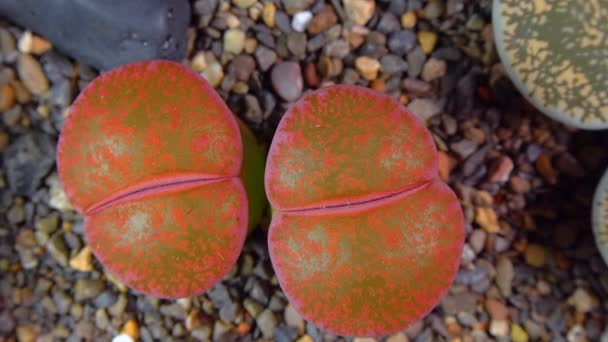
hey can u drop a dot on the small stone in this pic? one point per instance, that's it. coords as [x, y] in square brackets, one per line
[487, 219]
[83, 261]
[497, 310]
[367, 67]
[122, 338]
[338, 48]
[294, 6]
[582, 300]
[415, 62]
[268, 14]
[519, 185]
[252, 307]
[102, 321]
[244, 3]
[446, 165]
[287, 80]
[300, 21]
[199, 62]
[323, 20]
[499, 328]
[266, 322]
[401, 42]
[30, 43]
[536, 255]
[31, 74]
[475, 23]
[364, 339]
[7, 97]
[214, 74]
[424, 108]
[265, 57]
[577, 334]
[477, 240]
[388, 23]
[7, 42]
[234, 41]
[392, 64]
[434, 69]
[427, 40]
[434, 9]
[293, 318]
[131, 329]
[359, 11]
[545, 168]
[398, 337]
[242, 66]
[87, 288]
[27, 333]
[463, 148]
[119, 306]
[57, 248]
[518, 334]
[408, 19]
[504, 275]
[296, 43]
[305, 338]
[416, 86]
[501, 170]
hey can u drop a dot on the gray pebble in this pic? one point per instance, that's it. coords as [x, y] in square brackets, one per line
[287, 80]
[392, 64]
[338, 48]
[27, 160]
[401, 42]
[266, 322]
[265, 57]
[57, 248]
[87, 288]
[415, 62]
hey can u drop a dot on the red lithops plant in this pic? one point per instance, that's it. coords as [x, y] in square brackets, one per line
[365, 239]
[152, 157]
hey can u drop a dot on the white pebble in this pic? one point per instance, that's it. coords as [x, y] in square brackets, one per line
[122, 338]
[301, 20]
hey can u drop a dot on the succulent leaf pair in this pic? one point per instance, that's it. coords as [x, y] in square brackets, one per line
[364, 237]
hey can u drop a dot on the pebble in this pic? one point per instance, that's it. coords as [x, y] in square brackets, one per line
[57, 248]
[392, 64]
[434, 69]
[424, 108]
[500, 171]
[293, 318]
[388, 23]
[519, 185]
[28, 332]
[415, 62]
[545, 168]
[294, 6]
[83, 261]
[31, 74]
[518, 334]
[398, 337]
[434, 9]
[296, 43]
[536, 255]
[359, 11]
[323, 20]
[287, 81]
[242, 66]
[234, 41]
[214, 74]
[87, 288]
[7, 97]
[427, 41]
[401, 42]
[252, 307]
[463, 148]
[497, 309]
[30, 43]
[338, 48]
[267, 321]
[131, 329]
[408, 20]
[487, 219]
[477, 240]
[499, 328]
[244, 3]
[301, 20]
[367, 67]
[268, 14]
[582, 300]
[265, 57]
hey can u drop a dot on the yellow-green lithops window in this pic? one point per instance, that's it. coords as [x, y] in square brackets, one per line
[600, 216]
[556, 53]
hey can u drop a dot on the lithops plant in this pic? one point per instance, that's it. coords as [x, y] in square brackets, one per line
[365, 238]
[600, 216]
[556, 53]
[153, 158]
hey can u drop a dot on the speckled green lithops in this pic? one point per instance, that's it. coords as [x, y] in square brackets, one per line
[600, 216]
[556, 53]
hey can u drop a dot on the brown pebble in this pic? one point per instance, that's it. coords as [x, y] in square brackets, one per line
[545, 168]
[367, 67]
[434, 69]
[7, 97]
[446, 165]
[323, 20]
[487, 219]
[519, 185]
[501, 170]
[31, 74]
[497, 309]
[311, 76]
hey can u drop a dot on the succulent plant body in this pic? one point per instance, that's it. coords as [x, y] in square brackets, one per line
[365, 238]
[153, 158]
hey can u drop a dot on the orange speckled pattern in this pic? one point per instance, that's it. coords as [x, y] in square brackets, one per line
[365, 239]
[151, 155]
